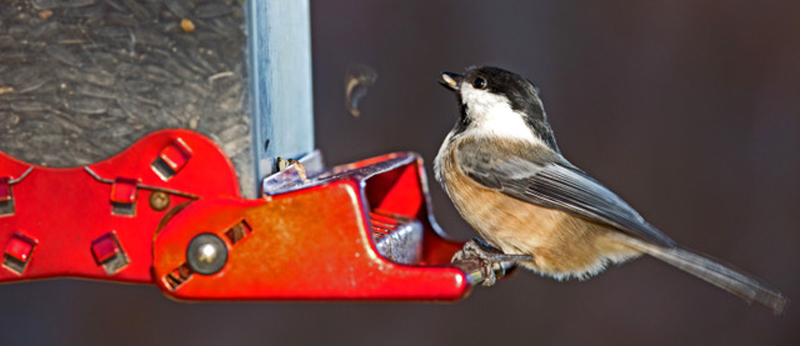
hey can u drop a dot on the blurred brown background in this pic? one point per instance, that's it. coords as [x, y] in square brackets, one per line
[688, 110]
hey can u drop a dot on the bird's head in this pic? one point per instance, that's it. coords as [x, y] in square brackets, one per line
[499, 103]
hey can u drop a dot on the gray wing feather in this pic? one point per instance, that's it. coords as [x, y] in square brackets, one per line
[540, 180]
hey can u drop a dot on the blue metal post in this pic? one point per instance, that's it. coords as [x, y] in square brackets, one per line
[280, 72]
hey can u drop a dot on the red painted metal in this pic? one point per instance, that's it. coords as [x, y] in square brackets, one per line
[312, 242]
[5, 189]
[105, 247]
[67, 209]
[174, 156]
[124, 190]
[20, 247]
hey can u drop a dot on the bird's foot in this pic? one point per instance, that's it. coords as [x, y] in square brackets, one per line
[493, 262]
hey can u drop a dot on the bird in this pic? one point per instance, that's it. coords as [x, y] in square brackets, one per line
[501, 167]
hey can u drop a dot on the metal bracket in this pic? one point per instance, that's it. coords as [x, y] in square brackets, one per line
[361, 231]
[355, 232]
[67, 214]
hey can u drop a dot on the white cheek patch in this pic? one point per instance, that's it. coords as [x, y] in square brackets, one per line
[492, 116]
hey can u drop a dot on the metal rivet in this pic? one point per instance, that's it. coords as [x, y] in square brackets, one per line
[206, 254]
[159, 200]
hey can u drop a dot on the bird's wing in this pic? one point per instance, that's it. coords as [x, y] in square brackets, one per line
[540, 178]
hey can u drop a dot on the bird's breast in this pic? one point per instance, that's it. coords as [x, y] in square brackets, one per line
[563, 245]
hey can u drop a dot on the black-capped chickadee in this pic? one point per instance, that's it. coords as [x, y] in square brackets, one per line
[502, 169]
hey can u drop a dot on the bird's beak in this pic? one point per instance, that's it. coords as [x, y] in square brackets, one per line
[451, 80]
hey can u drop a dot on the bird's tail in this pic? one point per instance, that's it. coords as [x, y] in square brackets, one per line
[714, 272]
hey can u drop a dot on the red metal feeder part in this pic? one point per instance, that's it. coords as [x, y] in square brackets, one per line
[168, 211]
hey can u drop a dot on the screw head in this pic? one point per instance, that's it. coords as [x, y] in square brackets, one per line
[206, 254]
[159, 200]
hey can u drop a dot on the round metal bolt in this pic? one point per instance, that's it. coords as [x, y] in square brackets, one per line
[159, 200]
[206, 254]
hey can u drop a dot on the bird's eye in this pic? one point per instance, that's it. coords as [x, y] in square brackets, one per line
[479, 83]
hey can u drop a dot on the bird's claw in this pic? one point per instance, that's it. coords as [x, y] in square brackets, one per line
[491, 259]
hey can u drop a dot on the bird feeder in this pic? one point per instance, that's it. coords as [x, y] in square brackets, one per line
[139, 143]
